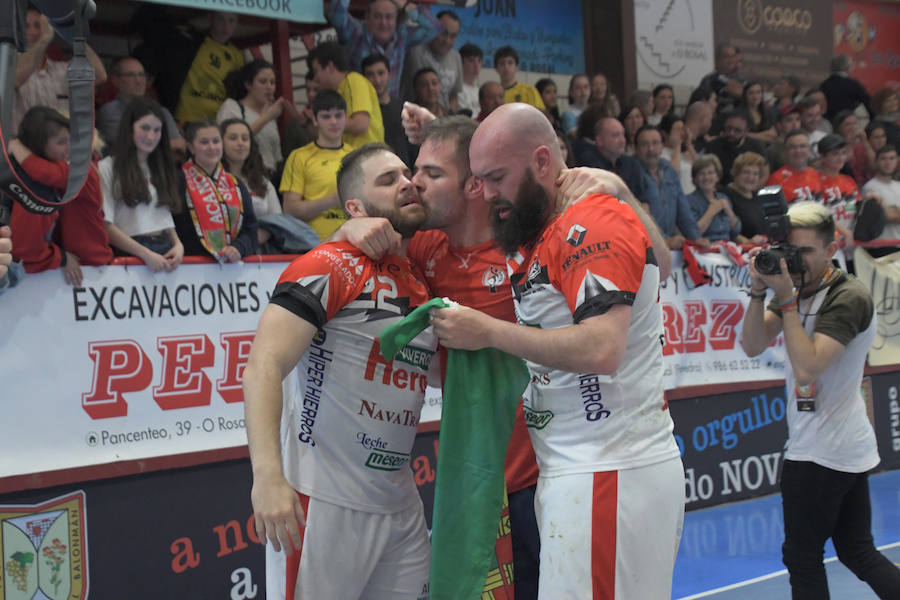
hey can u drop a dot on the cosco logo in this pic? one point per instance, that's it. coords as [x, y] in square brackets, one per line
[752, 14]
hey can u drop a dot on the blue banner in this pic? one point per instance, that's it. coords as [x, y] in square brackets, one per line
[547, 35]
[299, 11]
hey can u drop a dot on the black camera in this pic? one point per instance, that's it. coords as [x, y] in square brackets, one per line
[778, 228]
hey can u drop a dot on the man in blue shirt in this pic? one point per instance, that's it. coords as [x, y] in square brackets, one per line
[671, 212]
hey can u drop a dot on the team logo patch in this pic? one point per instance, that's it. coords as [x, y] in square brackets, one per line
[535, 269]
[537, 419]
[43, 548]
[576, 235]
[493, 278]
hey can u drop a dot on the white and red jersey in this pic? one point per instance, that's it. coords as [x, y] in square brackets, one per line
[841, 194]
[350, 417]
[596, 255]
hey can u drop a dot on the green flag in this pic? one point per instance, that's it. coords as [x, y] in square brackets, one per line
[481, 393]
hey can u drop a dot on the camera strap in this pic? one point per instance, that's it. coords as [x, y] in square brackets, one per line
[14, 183]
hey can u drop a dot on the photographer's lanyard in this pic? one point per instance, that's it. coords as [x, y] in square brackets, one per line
[806, 394]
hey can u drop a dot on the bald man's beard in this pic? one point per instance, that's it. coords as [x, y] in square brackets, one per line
[527, 215]
[406, 221]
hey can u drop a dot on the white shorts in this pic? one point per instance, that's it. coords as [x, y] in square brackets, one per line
[611, 535]
[348, 554]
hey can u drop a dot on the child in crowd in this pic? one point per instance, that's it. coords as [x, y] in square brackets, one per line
[72, 236]
[139, 192]
[506, 62]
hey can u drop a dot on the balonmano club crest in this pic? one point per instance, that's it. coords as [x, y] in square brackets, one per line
[43, 548]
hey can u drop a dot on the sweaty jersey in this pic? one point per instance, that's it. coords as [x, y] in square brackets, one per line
[841, 194]
[476, 277]
[798, 186]
[350, 417]
[594, 256]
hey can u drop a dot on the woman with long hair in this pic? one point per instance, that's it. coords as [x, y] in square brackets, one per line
[251, 97]
[546, 87]
[601, 94]
[663, 103]
[139, 188]
[579, 94]
[216, 215]
[632, 118]
[760, 124]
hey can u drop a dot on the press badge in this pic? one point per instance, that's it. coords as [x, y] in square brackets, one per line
[806, 397]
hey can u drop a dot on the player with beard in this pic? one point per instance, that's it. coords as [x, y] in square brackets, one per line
[333, 493]
[596, 386]
[460, 260]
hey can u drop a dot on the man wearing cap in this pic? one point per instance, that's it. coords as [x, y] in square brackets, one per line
[839, 192]
[788, 121]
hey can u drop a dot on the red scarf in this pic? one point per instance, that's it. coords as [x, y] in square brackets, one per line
[215, 204]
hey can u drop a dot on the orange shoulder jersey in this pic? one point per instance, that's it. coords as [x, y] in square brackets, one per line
[594, 256]
[476, 277]
[798, 185]
[841, 194]
[350, 417]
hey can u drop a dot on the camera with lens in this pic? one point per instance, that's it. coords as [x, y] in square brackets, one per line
[778, 228]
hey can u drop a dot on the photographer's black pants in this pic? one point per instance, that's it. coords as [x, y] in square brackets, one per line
[819, 503]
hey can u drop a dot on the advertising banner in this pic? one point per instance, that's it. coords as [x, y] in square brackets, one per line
[778, 38]
[131, 365]
[674, 42]
[882, 277]
[299, 11]
[547, 35]
[867, 32]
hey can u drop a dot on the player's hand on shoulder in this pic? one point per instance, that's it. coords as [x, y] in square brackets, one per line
[576, 184]
[277, 512]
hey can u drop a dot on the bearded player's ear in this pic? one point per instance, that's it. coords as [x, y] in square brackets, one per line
[541, 161]
[473, 188]
[355, 208]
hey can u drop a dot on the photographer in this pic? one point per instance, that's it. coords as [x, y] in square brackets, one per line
[828, 320]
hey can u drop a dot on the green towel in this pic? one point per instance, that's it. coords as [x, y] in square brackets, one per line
[481, 393]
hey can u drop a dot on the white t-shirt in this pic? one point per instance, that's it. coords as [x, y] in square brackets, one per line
[684, 170]
[468, 98]
[45, 87]
[132, 220]
[267, 138]
[890, 195]
[268, 204]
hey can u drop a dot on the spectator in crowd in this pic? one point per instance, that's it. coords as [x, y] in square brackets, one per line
[139, 188]
[643, 100]
[601, 94]
[663, 103]
[678, 149]
[886, 106]
[309, 183]
[130, 79]
[565, 148]
[876, 135]
[843, 92]
[331, 71]
[746, 177]
[828, 322]
[799, 181]
[705, 94]
[427, 88]
[546, 87]
[671, 210]
[887, 189]
[728, 63]
[381, 32]
[579, 94]
[811, 122]
[72, 236]
[241, 157]
[251, 98]
[818, 120]
[784, 92]
[839, 192]
[632, 118]
[40, 80]
[733, 141]
[506, 62]
[861, 156]
[439, 55]
[301, 130]
[712, 209]
[760, 125]
[490, 96]
[203, 91]
[471, 56]
[377, 70]
[601, 144]
[215, 217]
[697, 121]
[788, 121]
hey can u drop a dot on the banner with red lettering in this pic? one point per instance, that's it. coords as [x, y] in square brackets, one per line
[131, 365]
[702, 326]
